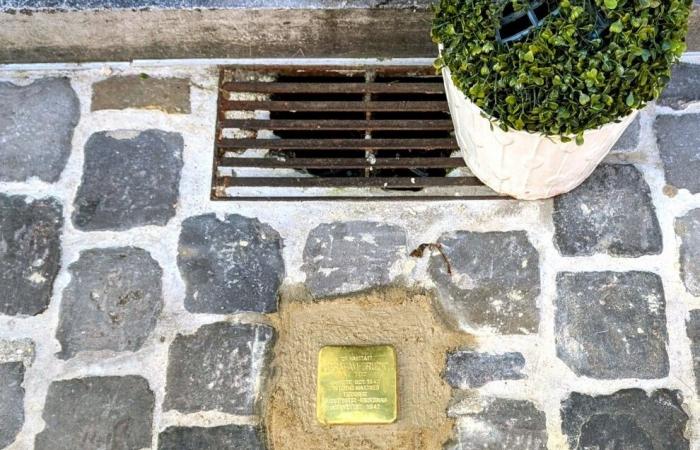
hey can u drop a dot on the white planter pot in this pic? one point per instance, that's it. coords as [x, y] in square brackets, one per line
[525, 165]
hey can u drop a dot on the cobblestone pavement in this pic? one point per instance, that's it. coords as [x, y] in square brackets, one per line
[135, 313]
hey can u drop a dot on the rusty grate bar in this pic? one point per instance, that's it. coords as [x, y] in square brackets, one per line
[350, 133]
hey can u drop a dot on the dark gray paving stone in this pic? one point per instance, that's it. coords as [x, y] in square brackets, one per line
[130, 179]
[611, 212]
[344, 257]
[113, 413]
[693, 330]
[678, 138]
[495, 280]
[630, 138]
[11, 401]
[219, 367]
[239, 437]
[467, 369]
[612, 325]
[111, 303]
[688, 230]
[36, 129]
[501, 424]
[684, 87]
[30, 253]
[230, 265]
[627, 419]
[171, 95]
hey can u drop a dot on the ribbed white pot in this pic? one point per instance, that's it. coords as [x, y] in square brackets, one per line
[525, 165]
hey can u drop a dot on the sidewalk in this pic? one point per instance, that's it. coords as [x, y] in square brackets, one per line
[137, 313]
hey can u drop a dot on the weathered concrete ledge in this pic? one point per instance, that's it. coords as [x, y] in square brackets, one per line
[121, 35]
[122, 30]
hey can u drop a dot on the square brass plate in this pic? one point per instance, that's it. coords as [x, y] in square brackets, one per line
[356, 385]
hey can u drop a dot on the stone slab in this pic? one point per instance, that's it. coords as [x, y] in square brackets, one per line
[495, 280]
[468, 369]
[611, 212]
[678, 138]
[630, 138]
[220, 367]
[612, 325]
[688, 230]
[111, 303]
[344, 257]
[170, 95]
[239, 437]
[30, 253]
[501, 424]
[130, 179]
[684, 87]
[230, 265]
[627, 419]
[11, 401]
[97, 412]
[36, 128]
[693, 330]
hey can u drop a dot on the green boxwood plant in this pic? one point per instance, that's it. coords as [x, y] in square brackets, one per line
[568, 74]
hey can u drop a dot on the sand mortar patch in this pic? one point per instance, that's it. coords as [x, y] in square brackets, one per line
[406, 319]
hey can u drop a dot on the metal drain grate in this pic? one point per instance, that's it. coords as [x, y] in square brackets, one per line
[370, 133]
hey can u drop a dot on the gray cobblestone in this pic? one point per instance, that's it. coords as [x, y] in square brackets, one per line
[688, 229]
[218, 368]
[345, 257]
[239, 437]
[11, 401]
[678, 138]
[693, 330]
[230, 265]
[684, 87]
[611, 212]
[112, 302]
[130, 179]
[171, 95]
[495, 280]
[97, 412]
[627, 419]
[612, 324]
[501, 424]
[36, 129]
[468, 369]
[30, 253]
[630, 138]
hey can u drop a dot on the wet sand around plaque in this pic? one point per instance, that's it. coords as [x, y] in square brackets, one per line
[405, 319]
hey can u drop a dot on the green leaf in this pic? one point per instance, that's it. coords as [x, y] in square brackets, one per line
[630, 100]
[529, 56]
[611, 4]
[583, 98]
[616, 27]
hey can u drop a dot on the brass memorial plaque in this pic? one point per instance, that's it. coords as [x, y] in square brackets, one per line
[356, 385]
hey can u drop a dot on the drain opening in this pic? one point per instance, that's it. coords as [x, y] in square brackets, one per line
[337, 133]
[310, 133]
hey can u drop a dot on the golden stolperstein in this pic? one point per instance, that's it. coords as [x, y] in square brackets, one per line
[356, 385]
